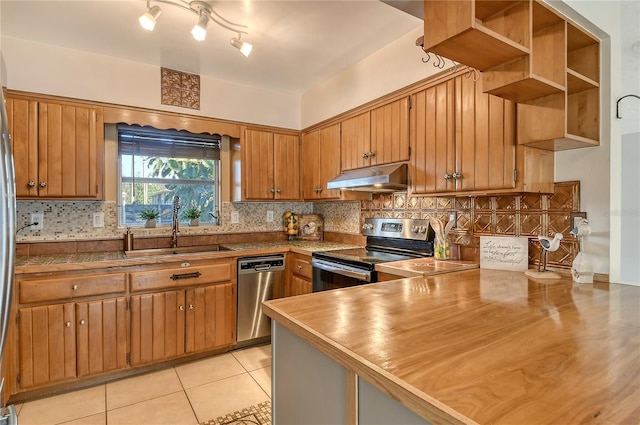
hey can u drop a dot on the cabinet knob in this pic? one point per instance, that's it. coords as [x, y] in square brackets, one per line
[278, 190]
[74, 287]
[457, 176]
[372, 154]
[181, 308]
[190, 306]
[43, 184]
[299, 267]
[365, 155]
[67, 324]
[31, 184]
[447, 176]
[82, 322]
[272, 190]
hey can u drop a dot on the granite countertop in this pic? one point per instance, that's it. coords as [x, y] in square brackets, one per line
[484, 346]
[85, 260]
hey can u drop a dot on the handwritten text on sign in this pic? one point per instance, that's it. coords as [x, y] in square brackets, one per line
[504, 253]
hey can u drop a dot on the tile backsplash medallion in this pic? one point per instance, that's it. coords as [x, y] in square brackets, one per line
[513, 215]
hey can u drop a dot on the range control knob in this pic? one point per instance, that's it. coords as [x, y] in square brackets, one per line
[367, 226]
[415, 229]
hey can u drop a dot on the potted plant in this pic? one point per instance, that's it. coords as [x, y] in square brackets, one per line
[193, 214]
[149, 215]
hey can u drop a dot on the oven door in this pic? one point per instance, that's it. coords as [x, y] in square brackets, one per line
[329, 275]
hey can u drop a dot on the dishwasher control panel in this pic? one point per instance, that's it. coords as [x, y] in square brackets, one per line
[261, 263]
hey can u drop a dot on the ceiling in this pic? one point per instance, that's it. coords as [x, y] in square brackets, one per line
[297, 44]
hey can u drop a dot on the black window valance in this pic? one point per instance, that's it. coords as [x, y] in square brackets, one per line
[149, 141]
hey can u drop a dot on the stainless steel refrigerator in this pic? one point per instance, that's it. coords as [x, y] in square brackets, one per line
[7, 247]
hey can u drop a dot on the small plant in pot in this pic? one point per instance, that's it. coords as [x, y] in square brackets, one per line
[193, 214]
[149, 215]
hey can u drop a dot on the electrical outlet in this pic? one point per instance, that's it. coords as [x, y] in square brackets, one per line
[37, 218]
[235, 217]
[98, 219]
[453, 216]
[269, 216]
[575, 216]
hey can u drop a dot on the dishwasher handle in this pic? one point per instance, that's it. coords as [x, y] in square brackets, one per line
[262, 268]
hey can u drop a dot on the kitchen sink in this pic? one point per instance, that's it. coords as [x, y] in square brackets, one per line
[200, 249]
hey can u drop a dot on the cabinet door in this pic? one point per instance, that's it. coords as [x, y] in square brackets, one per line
[299, 286]
[329, 160]
[101, 336]
[390, 133]
[70, 142]
[311, 165]
[47, 344]
[355, 142]
[210, 320]
[258, 165]
[287, 166]
[157, 326]
[485, 138]
[22, 118]
[432, 139]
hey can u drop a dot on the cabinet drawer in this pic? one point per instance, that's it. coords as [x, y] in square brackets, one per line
[33, 291]
[180, 276]
[301, 267]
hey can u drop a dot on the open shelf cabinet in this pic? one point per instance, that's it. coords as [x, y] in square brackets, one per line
[542, 72]
[479, 33]
[571, 118]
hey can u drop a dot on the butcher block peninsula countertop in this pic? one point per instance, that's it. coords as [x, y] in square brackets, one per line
[484, 346]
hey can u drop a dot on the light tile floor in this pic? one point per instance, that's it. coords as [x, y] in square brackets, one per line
[187, 394]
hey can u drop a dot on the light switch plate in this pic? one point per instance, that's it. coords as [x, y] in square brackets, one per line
[235, 217]
[269, 216]
[98, 219]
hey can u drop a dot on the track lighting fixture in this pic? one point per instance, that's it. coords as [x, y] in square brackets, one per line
[243, 46]
[205, 13]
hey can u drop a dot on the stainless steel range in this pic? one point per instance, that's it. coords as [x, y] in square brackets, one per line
[388, 239]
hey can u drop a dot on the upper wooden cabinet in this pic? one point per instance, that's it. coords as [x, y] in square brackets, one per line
[58, 149]
[320, 162]
[463, 140]
[270, 166]
[379, 136]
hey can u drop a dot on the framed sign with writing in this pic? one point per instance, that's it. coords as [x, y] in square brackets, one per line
[504, 253]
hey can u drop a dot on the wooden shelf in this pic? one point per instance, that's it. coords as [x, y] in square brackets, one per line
[481, 34]
[577, 83]
[536, 75]
[583, 53]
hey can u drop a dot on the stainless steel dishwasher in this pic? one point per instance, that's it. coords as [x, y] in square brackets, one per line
[257, 278]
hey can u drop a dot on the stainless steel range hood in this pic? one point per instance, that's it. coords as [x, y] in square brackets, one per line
[381, 178]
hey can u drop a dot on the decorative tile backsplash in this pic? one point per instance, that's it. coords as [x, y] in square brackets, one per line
[73, 220]
[527, 215]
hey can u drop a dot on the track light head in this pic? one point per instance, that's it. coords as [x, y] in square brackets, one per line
[148, 20]
[243, 46]
[199, 31]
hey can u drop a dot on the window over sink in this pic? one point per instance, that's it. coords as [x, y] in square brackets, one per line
[155, 165]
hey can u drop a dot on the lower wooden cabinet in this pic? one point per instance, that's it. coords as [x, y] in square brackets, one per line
[169, 324]
[65, 341]
[299, 276]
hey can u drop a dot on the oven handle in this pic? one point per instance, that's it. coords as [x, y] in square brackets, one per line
[326, 266]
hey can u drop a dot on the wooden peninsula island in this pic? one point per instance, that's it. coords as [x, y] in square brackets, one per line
[477, 346]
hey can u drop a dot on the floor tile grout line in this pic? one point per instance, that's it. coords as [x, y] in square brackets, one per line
[143, 401]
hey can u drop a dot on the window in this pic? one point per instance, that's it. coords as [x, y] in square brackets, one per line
[156, 165]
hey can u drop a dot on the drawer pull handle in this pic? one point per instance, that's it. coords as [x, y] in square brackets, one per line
[181, 308]
[185, 275]
[67, 324]
[82, 322]
[74, 287]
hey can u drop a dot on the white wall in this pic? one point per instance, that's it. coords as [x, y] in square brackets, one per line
[46, 69]
[393, 67]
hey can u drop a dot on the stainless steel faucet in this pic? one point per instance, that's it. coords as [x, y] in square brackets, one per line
[175, 226]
